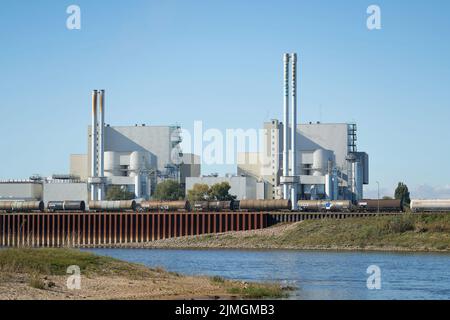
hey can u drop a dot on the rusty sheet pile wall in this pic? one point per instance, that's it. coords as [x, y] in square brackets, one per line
[77, 229]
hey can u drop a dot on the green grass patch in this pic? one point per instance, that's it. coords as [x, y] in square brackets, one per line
[259, 291]
[430, 232]
[217, 279]
[56, 262]
[415, 232]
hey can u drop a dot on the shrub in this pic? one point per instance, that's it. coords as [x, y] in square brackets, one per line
[400, 224]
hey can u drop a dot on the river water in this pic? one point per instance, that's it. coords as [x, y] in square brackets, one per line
[316, 275]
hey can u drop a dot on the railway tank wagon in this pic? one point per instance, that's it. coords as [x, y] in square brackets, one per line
[383, 205]
[22, 206]
[156, 205]
[112, 206]
[265, 205]
[325, 205]
[55, 206]
[438, 205]
[215, 205]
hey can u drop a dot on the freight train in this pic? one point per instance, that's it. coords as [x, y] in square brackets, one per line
[368, 205]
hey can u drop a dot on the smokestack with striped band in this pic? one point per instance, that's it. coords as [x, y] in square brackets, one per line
[94, 147]
[101, 144]
[286, 125]
[294, 130]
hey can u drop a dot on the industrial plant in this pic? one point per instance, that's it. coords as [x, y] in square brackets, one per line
[312, 161]
[305, 171]
[310, 165]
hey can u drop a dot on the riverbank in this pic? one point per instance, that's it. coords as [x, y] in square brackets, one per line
[420, 233]
[41, 274]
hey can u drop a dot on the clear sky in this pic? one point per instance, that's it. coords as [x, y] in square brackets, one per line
[174, 62]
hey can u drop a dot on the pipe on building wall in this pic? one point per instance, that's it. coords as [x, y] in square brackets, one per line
[294, 130]
[286, 125]
[137, 186]
[94, 147]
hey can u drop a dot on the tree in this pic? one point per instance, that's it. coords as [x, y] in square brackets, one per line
[118, 193]
[169, 190]
[387, 198]
[402, 193]
[220, 192]
[199, 192]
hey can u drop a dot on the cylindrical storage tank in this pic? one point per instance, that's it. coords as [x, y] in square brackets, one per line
[112, 164]
[22, 206]
[138, 161]
[320, 161]
[265, 205]
[120, 205]
[155, 205]
[66, 206]
[438, 205]
[308, 205]
[385, 205]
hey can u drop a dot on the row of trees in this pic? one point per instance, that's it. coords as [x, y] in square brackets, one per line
[172, 190]
[217, 192]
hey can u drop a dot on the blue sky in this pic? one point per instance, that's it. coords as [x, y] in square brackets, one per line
[174, 62]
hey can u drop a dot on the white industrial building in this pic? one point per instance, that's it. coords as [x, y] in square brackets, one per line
[242, 187]
[314, 161]
[134, 157]
[55, 188]
[327, 163]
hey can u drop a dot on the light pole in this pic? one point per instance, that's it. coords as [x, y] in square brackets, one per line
[378, 209]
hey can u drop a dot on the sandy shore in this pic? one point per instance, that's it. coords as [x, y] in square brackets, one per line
[115, 288]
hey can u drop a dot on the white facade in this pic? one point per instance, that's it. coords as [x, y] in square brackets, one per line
[65, 191]
[20, 190]
[322, 162]
[44, 190]
[159, 143]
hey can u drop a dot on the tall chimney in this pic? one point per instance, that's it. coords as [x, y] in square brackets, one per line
[101, 144]
[94, 147]
[286, 126]
[294, 130]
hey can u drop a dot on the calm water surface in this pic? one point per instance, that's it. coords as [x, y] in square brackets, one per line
[317, 275]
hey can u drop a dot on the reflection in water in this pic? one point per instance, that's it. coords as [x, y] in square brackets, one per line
[316, 275]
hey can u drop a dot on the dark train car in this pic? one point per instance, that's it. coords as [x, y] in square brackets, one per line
[22, 206]
[112, 206]
[54, 206]
[156, 205]
[384, 205]
[265, 205]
